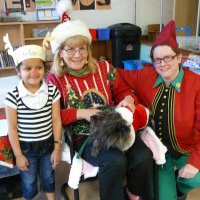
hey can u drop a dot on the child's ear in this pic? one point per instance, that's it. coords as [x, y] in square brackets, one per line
[17, 69]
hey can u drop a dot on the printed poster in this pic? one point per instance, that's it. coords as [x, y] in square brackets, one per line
[91, 4]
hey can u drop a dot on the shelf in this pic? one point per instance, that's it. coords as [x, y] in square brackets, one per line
[28, 27]
[101, 48]
[20, 33]
[7, 71]
[14, 31]
[34, 38]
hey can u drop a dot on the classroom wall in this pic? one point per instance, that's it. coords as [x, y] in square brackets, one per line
[145, 52]
[147, 12]
[139, 12]
[7, 84]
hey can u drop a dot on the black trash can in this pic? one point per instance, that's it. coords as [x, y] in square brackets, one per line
[125, 43]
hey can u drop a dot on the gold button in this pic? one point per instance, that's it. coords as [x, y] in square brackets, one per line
[178, 85]
[160, 139]
[161, 110]
[164, 97]
[160, 128]
[159, 123]
[166, 90]
[160, 133]
[160, 117]
[163, 104]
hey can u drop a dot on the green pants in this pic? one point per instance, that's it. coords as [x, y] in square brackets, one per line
[167, 180]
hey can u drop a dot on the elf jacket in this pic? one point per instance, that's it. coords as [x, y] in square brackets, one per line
[183, 111]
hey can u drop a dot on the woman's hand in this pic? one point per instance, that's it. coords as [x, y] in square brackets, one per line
[188, 171]
[86, 113]
[129, 102]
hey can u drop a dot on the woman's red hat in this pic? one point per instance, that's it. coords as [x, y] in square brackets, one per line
[167, 36]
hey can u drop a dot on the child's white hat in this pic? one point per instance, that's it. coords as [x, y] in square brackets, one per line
[66, 30]
[26, 52]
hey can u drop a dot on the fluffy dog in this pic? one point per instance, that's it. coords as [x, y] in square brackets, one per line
[112, 128]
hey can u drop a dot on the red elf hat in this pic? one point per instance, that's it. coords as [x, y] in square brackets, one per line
[167, 36]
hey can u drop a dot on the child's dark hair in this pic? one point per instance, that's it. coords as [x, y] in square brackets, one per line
[19, 65]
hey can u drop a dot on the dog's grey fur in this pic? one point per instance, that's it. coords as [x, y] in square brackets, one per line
[108, 129]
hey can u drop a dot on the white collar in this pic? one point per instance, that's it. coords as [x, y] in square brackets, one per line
[24, 92]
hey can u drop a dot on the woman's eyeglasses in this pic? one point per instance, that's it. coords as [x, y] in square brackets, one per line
[72, 51]
[166, 59]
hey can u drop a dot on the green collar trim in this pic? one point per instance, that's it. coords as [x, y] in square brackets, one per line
[82, 72]
[176, 83]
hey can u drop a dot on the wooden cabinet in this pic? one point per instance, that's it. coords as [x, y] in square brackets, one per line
[28, 31]
[21, 33]
[101, 48]
[185, 13]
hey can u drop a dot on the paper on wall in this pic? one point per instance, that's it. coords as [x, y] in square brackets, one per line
[3, 127]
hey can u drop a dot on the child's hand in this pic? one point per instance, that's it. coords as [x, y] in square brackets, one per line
[56, 156]
[22, 162]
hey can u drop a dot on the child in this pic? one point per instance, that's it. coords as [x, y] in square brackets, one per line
[34, 124]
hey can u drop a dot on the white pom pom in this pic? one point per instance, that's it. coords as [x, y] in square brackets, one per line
[126, 114]
[64, 6]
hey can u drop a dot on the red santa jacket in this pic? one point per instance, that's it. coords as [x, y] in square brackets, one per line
[100, 87]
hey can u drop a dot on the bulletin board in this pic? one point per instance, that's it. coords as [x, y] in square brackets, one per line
[46, 10]
[24, 6]
[11, 6]
[91, 4]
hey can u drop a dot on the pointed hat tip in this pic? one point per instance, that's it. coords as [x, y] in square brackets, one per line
[167, 36]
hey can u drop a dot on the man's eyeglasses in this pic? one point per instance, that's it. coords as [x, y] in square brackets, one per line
[166, 59]
[72, 51]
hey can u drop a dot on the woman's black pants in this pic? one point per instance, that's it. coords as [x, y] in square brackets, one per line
[114, 165]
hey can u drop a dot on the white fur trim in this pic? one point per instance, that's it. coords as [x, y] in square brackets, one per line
[126, 114]
[157, 147]
[75, 172]
[64, 6]
[77, 168]
[65, 153]
[66, 30]
[90, 171]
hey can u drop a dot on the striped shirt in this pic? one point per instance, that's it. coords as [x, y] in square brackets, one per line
[33, 124]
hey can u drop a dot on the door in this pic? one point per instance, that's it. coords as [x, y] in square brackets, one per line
[185, 14]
